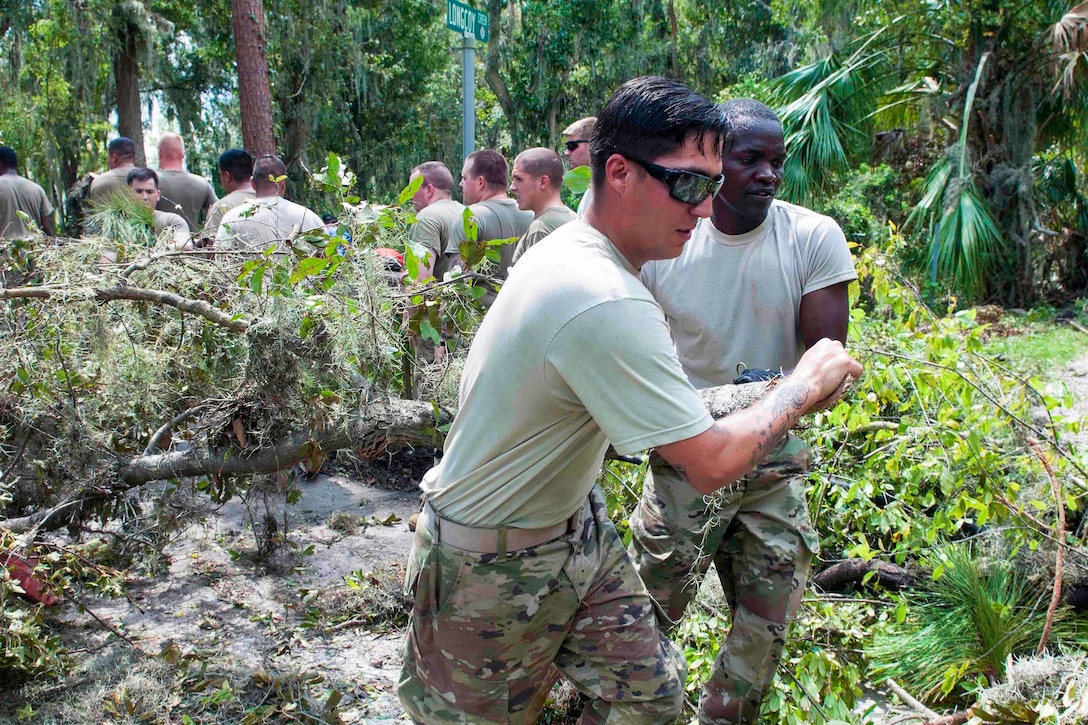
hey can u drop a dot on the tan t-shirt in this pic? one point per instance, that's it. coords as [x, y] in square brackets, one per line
[109, 182]
[552, 218]
[21, 194]
[174, 225]
[736, 299]
[188, 191]
[502, 219]
[575, 353]
[222, 206]
[260, 223]
[440, 227]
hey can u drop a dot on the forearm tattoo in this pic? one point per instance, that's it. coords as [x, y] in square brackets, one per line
[789, 396]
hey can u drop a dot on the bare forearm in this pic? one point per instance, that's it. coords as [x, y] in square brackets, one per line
[737, 443]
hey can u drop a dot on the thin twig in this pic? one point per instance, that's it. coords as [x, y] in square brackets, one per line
[1059, 558]
[105, 623]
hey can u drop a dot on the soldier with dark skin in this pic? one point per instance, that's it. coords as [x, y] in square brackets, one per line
[516, 564]
[759, 282]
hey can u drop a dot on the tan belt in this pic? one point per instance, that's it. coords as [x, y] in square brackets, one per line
[484, 540]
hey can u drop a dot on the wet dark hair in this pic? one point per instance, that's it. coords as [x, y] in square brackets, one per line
[491, 165]
[650, 117]
[8, 159]
[238, 163]
[744, 114]
[142, 174]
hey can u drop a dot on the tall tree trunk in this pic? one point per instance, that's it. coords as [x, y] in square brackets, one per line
[126, 75]
[674, 49]
[254, 90]
[493, 69]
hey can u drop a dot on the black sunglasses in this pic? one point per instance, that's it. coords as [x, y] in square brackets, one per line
[689, 187]
[573, 143]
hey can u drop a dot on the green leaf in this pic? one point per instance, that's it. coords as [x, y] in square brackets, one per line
[308, 266]
[427, 331]
[409, 191]
[577, 180]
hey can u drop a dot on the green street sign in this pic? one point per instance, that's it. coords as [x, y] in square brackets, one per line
[465, 19]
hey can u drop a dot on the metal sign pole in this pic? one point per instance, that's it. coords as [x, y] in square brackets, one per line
[468, 94]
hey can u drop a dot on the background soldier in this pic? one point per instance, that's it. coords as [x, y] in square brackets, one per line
[21, 194]
[120, 158]
[537, 182]
[182, 193]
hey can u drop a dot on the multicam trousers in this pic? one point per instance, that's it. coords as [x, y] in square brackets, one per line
[758, 534]
[485, 629]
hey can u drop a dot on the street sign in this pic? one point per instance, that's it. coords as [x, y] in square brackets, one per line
[465, 19]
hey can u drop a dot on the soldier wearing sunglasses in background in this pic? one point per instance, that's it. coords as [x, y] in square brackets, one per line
[759, 282]
[579, 134]
[515, 564]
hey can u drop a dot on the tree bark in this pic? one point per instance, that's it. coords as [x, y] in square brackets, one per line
[674, 43]
[126, 76]
[377, 427]
[845, 574]
[254, 89]
[493, 67]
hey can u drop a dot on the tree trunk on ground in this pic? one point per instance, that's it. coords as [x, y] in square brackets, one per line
[126, 75]
[254, 89]
[850, 573]
[378, 426]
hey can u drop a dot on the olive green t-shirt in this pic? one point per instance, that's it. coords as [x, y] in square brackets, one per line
[185, 194]
[172, 226]
[501, 219]
[551, 219]
[575, 353]
[440, 227]
[109, 182]
[21, 194]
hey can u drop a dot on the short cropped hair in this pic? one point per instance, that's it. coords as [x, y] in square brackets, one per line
[142, 174]
[650, 117]
[491, 165]
[436, 174]
[122, 146]
[238, 163]
[542, 161]
[582, 128]
[266, 170]
[742, 115]
[8, 159]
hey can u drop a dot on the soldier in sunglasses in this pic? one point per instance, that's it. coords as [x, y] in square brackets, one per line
[760, 281]
[576, 151]
[516, 566]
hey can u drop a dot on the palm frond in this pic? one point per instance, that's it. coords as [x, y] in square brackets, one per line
[1069, 42]
[819, 106]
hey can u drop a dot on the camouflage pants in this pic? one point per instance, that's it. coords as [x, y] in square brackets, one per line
[486, 628]
[758, 534]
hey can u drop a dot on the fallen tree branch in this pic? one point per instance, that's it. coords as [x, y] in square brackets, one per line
[837, 577]
[194, 307]
[909, 700]
[138, 294]
[378, 426]
[953, 719]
